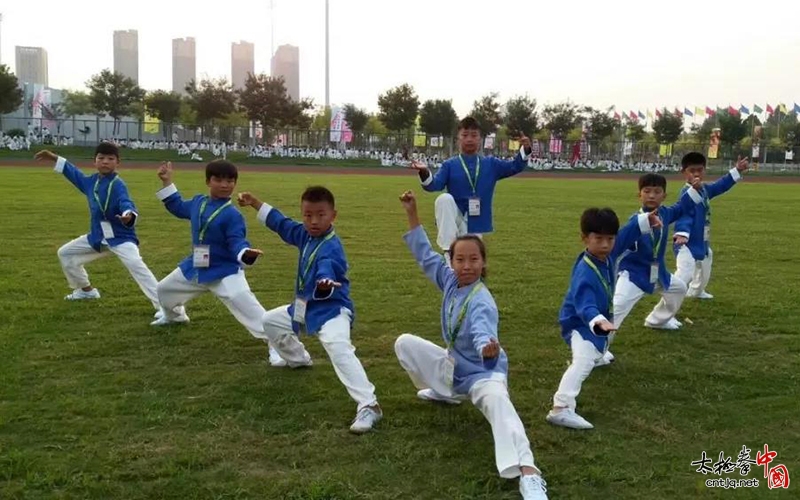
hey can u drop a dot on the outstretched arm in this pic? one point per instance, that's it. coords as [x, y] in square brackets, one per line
[429, 181]
[508, 168]
[64, 167]
[432, 264]
[290, 231]
[169, 194]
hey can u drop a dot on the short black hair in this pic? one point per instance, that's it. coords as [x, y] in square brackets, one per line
[693, 158]
[600, 221]
[315, 194]
[652, 180]
[469, 123]
[478, 241]
[221, 169]
[107, 148]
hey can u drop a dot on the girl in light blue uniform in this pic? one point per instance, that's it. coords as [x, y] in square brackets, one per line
[474, 365]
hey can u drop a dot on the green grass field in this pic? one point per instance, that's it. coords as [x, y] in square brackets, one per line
[94, 403]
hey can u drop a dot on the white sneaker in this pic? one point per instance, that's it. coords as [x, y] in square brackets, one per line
[669, 325]
[307, 362]
[179, 310]
[607, 359]
[275, 359]
[163, 320]
[365, 420]
[568, 418]
[159, 314]
[705, 295]
[533, 487]
[674, 321]
[431, 395]
[79, 294]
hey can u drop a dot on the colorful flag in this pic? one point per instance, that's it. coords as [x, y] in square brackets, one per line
[710, 112]
[757, 109]
[632, 115]
[699, 111]
[678, 113]
[151, 123]
[733, 111]
[744, 110]
[796, 108]
[687, 112]
[641, 115]
[616, 116]
[770, 110]
[782, 108]
[658, 113]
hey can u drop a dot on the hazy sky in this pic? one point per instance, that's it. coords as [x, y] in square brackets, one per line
[636, 54]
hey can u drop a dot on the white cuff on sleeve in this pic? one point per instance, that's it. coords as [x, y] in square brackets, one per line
[644, 223]
[135, 216]
[595, 320]
[737, 176]
[694, 195]
[166, 192]
[428, 180]
[681, 233]
[320, 297]
[263, 212]
[239, 257]
[523, 153]
[60, 164]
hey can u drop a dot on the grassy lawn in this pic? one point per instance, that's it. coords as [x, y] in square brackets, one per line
[94, 403]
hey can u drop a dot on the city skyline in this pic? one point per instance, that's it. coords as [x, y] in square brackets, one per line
[618, 53]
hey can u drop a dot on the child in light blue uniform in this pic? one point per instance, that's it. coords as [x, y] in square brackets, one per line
[470, 179]
[322, 305]
[473, 365]
[111, 229]
[693, 230]
[586, 316]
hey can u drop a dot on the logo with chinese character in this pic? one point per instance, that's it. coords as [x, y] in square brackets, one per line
[777, 476]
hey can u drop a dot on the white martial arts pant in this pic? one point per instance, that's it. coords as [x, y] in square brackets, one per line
[76, 253]
[627, 294]
[584, 356]
[232, 290]
[335, 338]
[450, 222]
[696, 273]
[429, 367]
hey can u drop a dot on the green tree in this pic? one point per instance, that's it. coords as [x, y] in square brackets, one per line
[398, 107]
[668, 127]
[520, 117]
[356, 118]
[732, 128]
[321, 120]
[601, 124]
[113, 94]
[561, 118]
[11, 96]
[702, 132]
[437, 117]
[265, 99]
[166, 106]
[77, 102]
[374, 126]
[486, 111]
[211, 100]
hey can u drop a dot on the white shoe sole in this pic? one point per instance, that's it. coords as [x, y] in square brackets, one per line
[665, 326]
[555, 420]
[424, 395]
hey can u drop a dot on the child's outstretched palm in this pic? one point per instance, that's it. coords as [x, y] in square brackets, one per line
[45, 155]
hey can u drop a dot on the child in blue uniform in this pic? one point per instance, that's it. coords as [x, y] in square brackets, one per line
[111, 229]
[220, 251]
[693, 230]
[642, 269]
[587, 322]
[322, 305]
[473, 365]
[470, 179]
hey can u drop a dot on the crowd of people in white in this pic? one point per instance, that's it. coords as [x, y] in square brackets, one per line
[204, 151]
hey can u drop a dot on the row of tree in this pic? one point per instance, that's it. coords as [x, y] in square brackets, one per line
[264, 99]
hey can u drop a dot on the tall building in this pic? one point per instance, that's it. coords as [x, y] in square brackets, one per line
[184, 63]
[31, 65]
[126, 53]
[242, 63]
[286, 63]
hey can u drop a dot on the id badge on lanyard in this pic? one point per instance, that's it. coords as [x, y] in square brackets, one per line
[654, 272]
[299, 315]
[108, 231]
[474, 207]
[706, 232]
[201, 256]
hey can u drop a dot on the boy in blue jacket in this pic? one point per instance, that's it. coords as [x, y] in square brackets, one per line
[586, 316]
[693, 230]
[111, 227]
[642, 268]
[220, 251]
[470, 179]
[322, 305]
